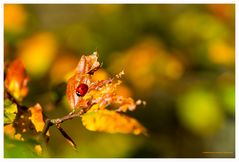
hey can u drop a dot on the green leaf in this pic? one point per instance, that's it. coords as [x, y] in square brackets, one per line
[10, 111]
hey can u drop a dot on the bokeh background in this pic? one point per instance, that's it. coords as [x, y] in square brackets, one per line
[180, 59]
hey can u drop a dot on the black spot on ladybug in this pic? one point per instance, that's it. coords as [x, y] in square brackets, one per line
[81, 90]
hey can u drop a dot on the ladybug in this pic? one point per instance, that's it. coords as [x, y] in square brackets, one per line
[81, 90]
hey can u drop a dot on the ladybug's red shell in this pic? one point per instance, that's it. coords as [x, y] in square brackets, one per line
[81, 90]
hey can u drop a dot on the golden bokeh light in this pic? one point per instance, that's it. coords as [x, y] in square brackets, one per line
[15, 18]
[37, 53]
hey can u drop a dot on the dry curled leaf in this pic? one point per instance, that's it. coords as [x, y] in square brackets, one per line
[16, 80]
[85, 68]
[102, 92]
[98, 96]
[111, 122]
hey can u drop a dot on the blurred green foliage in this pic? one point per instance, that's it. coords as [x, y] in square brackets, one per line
[10, 111]
[18, 149]
[179, 58]
[199, 111]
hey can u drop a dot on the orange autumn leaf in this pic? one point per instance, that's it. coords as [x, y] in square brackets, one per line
[37, 117]
[16, 80]
[111, 122]
[88, 64]
[107, 95]
[85, 67]
[93, 98]
[102, 92]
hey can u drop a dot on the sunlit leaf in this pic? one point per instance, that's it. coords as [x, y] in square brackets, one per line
[100, 96]
[111, 122]
[87, 64]
[26, 127]
[22, 123]
[105, 94]
[37, 117]
[10, 111]
[16, 80]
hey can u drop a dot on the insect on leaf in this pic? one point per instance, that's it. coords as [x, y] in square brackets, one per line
[112, 122]
[86, 65]
[100, 101]
[16, 80]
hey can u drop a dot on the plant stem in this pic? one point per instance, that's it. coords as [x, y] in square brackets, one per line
[58, 121]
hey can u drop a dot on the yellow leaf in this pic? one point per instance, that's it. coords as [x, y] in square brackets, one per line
[112, 122]
[37, 117]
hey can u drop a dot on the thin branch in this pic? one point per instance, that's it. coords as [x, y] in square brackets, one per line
[57, 121]
[67, 137]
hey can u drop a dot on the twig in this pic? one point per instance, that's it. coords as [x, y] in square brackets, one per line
[67, 137]
[50, 122]
[58, 121]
